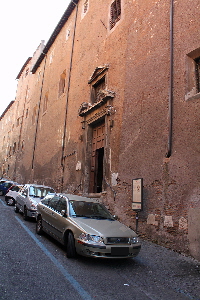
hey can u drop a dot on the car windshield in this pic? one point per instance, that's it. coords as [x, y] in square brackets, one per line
[40, 192]
[88, 210]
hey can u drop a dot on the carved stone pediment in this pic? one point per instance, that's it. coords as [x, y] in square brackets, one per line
[98, 71]
[102, 97]
[84, 106]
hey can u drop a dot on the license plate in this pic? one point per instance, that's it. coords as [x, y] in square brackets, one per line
[119, 251]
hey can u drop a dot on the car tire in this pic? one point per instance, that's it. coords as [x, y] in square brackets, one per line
[16, 209]
[25, 214]
[10, 201]
[39, 225]
[71, 250]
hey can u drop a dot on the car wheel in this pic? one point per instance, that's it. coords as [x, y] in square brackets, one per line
[10, 201]
[71, 250]
[16, 209]
[25, 214]
[39, 225]
[1, 193]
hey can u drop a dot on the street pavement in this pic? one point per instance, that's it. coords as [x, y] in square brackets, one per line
[35, 267]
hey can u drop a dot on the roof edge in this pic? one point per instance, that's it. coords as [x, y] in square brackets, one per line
[22, 69]
[55, 33]
[7, 108]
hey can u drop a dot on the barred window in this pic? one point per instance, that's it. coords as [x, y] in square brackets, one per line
[115, 13]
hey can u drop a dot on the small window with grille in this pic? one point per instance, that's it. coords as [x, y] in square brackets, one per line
[115, 13]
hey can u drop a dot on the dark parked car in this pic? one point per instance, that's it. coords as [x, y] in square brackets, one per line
[4, 187]
[2, 180]
[12, 194]
[86, 227]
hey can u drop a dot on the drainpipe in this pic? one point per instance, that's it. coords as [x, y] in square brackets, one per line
[67, 99]
[37, 120]
[169, 150]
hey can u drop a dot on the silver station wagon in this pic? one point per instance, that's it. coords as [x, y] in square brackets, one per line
[27, 200]
[85, 227]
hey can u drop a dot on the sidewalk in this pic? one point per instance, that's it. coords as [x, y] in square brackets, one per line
[164, 268]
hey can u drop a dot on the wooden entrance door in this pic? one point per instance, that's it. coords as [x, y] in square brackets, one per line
[96, 174]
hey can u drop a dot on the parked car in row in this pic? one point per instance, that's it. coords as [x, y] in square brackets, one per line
[85, 227]
[4, 187]
[29, 197]
[2, 180]
[12, 194]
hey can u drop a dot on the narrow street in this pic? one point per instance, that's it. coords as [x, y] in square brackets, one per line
[36, 268]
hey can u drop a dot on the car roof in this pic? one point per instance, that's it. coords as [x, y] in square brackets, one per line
[79, 198]
[10, 181]
[4, 179]
[37, 185]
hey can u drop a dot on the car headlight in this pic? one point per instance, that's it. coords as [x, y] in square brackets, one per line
[134, 240]
[91, 239]
[33, 205]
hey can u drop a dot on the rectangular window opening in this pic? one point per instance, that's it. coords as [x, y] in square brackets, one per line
[115, 13]
[97, 88]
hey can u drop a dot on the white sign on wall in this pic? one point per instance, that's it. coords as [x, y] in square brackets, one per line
[137, 188]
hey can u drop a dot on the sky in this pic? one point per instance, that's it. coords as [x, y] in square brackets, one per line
[23, 25]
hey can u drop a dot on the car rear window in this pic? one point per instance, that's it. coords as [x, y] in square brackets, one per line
[39, 191]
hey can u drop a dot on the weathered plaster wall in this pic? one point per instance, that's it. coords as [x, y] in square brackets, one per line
[137, 53]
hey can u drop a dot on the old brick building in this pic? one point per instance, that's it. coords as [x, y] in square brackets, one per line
[113, 96]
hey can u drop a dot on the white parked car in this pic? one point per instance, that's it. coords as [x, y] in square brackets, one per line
[12, 194]
[28, 199]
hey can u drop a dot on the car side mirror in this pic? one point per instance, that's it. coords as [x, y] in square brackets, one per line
[63, 213]
[115, 217]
